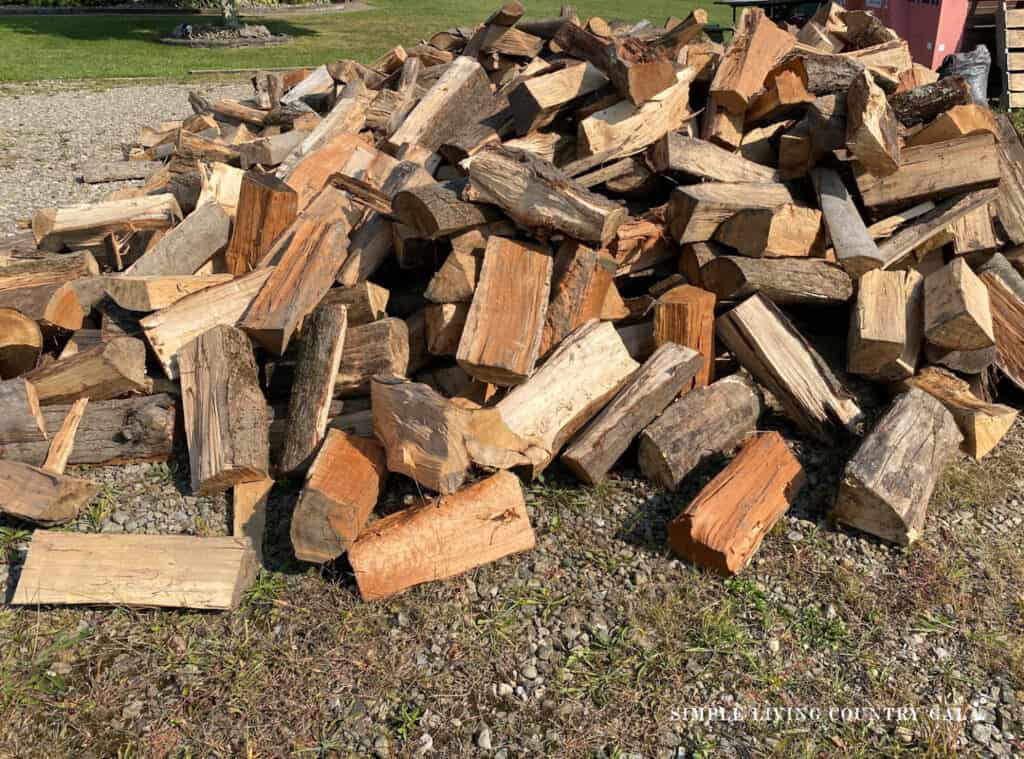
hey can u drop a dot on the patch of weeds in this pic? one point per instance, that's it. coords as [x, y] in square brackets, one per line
[407, 720]
[718, 631]
[10, 540]
[604, 669]
[817, 630]
[262, 594]
[99, 508]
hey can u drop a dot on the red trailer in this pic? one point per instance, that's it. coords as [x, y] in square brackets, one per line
[933, 28]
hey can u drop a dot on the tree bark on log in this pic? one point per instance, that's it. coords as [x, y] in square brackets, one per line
[783, 281]
[924, 103]
[22, 420]
[698, 158]
[114, 368]
[380, 347]
[437, 210]
[41, 497]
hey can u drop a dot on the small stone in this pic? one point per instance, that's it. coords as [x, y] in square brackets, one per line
[505, 690]
[774, 645]
[381, 746]
[981, 732]
[529, 672]
[426, 744]
[483, 738]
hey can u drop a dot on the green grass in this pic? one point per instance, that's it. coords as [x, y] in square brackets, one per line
[99, 47]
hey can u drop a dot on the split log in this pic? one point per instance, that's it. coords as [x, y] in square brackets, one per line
[581, 283]
[49, 269]
[22, 420]
[537, 101]
[573, 384]
[266, 208]
[54, 307]
[221, 184]
[958, 121]
[438, 210]
[871, 129]
[453, 102]
[855, 249]
[887, 484]
[924, 103]
[705, 422]
[785, 94]
[41, 497]
[269, 151]
[316, 373]
[685, 315]
[722, 528]
[380, 347]
[933, 171]
[442, 538]
[638, 71]
[886, 325]
[170, 329]
[502, 337]
[305, 263]
[183, 250]
[1006, 299]
[151, 293]
[766, 344]
[174, 571]
[783, 281]
[63, 442]
[341, 489]
[445, 324]
[496, 25]
[974, 232]
[82, 225]
[123, 431]
[188, 145]
[365, 302]
[696, 211]
[698, 158]
[456, 280]
[956, 309]
[226, 417]
[21, 342]
[339, 128]
[788, 230]
[114, 368]
[756, 47]
[249, 513]
[982, 424]
[311, 174]
[669, 371]
[721, 127]
[534, 193]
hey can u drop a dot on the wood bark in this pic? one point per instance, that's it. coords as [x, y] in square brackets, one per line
[442, 538]
[855, 249]
[783, 281]
[341, 489]
[226, 416]
[380, 347]
[183, 250]
[502, 338]
[924, 103]
[1006, 300]
[22, 420]
[886, 325]
[536, 194]
[767, 345]
[887, 484]
[266, 208]
[173, 571]
[670, 370]
[41, 497]
[722, 528]
[54, 307]
[316, 373]
[438, 210]
[703, 423]
[685, 315]
[111, 369]
[21, 342]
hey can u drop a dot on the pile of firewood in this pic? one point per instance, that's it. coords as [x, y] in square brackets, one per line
[531, 240]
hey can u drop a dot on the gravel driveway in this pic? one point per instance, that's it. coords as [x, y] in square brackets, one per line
[596, 644]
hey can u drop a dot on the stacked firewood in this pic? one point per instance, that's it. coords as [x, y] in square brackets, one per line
[532, 240]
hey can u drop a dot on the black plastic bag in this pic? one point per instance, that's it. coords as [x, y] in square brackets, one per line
[973, 68]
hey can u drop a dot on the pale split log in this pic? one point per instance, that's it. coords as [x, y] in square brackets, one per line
[100, 172]
[111, 369]
[789, 230]
[721, 127]
[445, 324]
[442, 538]
[41, 497]
[226, 416]
[64, 438]
[88, 224]
[698, 158]
[347, 116]
[22, 420]
[694, 212]
[724, 525]
[886, 324]
[316, 372]
[783, 281]
[703, 423]
[537, 101]
[669, 371]
[767, 345]
[456, 280]
[174, 571]
[956, 309]
[380, 347]
[364, 303]
[249, 513]
[21, 342]
[887, 484]
[958, 121]
[340, 491]
[314, 172]
[153, 292]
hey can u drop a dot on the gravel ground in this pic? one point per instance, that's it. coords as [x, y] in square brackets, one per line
[596, 644]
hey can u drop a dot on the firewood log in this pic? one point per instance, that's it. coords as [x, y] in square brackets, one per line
[187, 247]
[380, 347]
[581, 283]
[534, 193]
[437, 210]
[785, 94]
[22, 421]
[722, 528]
[313, 172]
[170, 329]
[788, 230]
[226, 416]
[855, 249]
[886, 325]
[757, 46]
[269, 152]
[42, 497]
[982, 424]
[958, 121]
[704, 422]
[721, 127]
[685, 315]
[1006, 301]
[266, 208]
[316, 373]
[871, 129]
[696, 211]
[445, 325]
[887, 484]
[114, 368]
[956, 309]
[782, 280]
[341, 489]
[974, 232]
[99, 172]
[82, 225]
[63, 441]
[136, 570]
[54, 307]
[365, 302]
[21, 342]
[456, 280]
[537, 101]
[249, 513]
[149, 293]
[442, 538]
[688, 155]
[924, 103]
[345, 119]
[669, 371]
[767, 345]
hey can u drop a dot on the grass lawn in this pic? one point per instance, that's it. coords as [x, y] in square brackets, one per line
[92, 47]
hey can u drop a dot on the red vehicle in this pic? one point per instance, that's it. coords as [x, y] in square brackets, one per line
[933, 28]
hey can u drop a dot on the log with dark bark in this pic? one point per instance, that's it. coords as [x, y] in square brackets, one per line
[724, 525]
[437, 210]
[703, 423]
[887, 484]
[782, 280]
[924, 103]
[22, 420]
[698, 158]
